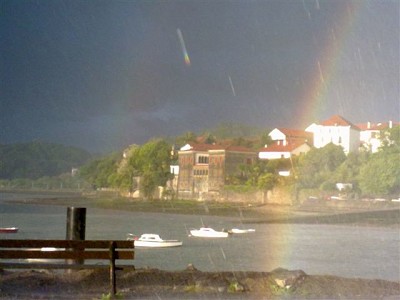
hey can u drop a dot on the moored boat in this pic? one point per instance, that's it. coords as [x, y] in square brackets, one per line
[208, 232]
[8, 229]
[238, 230]
[151, 240]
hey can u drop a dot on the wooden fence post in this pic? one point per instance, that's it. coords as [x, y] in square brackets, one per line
[113, 284]
[76, 228]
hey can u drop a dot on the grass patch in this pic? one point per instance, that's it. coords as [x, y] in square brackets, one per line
[193, 288]
[110, 297]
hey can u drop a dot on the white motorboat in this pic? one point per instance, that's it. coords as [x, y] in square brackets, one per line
[8, 229]
[238, 230]
[151, 240]
[208, 233]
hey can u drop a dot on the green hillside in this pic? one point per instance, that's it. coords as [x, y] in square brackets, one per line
[38, 159]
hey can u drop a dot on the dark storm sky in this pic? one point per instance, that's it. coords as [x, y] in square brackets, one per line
[105, 74]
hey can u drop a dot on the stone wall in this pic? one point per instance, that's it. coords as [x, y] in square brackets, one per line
[281, 195]
[254, 197]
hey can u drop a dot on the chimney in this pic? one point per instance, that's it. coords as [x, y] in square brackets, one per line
[390, 124]
[368, 125]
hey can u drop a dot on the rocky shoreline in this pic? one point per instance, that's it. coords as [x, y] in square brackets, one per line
[360, 213]
[191, 284]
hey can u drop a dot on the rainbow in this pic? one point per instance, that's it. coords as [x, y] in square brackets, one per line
[187, 59]
[325, 68]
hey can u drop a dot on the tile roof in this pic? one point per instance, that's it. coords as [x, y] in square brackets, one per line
[279, 147]
[215, 147]
[295, 133]
[376, 126]
[337, 120]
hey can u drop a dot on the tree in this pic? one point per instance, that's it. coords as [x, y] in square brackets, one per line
[100, 172]
[242, 142]
[210, 139]
[390, 139]
[265, 140]
[37, 159]
[187, 137]
[266, 181]
[349, 170]
[152, 162]
[381, 174]
[318, 165]
[124, 178]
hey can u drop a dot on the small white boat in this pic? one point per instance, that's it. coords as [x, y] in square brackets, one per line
[237, 230]
[208, 232]
[8, 229]
[151, 240]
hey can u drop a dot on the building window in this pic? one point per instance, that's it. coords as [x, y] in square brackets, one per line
[200, 172]
[202, 159]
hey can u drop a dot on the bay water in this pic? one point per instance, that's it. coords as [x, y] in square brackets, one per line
[341, 250]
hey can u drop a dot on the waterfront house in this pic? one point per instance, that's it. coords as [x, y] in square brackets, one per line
[336, 130]
[370, 134]
[203, 168]
[283, 149]
[286, 135]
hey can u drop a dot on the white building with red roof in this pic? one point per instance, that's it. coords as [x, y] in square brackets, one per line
[370, 134]
[336, 130]
[290, 135]
[287, 142]
[283, 149]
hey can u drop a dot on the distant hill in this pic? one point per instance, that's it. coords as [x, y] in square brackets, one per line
[38, 159]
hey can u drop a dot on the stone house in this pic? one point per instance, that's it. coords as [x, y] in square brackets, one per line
[203, 168]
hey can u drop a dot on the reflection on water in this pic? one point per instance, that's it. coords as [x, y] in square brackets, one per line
[348, 251]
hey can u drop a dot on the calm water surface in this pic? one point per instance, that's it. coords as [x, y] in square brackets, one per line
[348, 251]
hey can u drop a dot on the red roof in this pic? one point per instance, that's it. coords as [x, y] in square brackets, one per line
[376, 126]
[208, 147]
[234, 148]
[296, 133]
[280, 147]
[337, 120]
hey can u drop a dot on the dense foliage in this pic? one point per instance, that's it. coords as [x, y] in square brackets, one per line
[99, 172]
[151, 162]
[318, 165]
[37, 159]
[36, 164]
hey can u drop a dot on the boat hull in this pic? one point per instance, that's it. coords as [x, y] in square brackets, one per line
[8, 229]
[208, 233]
[163, 244]
[151, 240]
[236, 230]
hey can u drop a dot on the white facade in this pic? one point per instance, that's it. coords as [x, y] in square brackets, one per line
[370, 139]
[277, 135]
[339, 133]
[283, 150]
[370, 135]
[273, 155]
